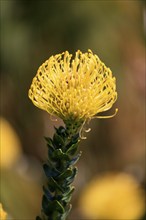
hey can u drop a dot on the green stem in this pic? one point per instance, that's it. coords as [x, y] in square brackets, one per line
[60, 172]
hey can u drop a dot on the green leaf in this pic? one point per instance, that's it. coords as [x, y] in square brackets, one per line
[51, 186]
[70, 189]
[75, 159]
[57, 205]
[46, 205]
[75, 138]
[65, 174]
[51, 206]
[52, 164]
[58, 140]
[64, 216]
[58, 154]
[70, 179]
[49, 141]
[61, 131]
[67, 196]
[48, 194]
[56, 185]
[51, 151]
[49, 171]
[72, 149]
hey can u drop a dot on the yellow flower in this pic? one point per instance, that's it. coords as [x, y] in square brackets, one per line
[113, 197]
[3, 214]
[10, 145]
[73, 88]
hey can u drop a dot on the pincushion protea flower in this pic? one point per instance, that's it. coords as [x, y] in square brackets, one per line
[77, 88]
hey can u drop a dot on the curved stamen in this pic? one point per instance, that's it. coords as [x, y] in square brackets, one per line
[108, 116]
[83, 129]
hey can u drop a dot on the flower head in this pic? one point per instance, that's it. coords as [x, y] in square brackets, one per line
[113, 196]
[3, 214]
[73, 87]
[10, 145]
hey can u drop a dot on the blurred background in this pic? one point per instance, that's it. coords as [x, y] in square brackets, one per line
[32, 31]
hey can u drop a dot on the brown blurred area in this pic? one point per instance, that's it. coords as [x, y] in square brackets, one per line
[32, 31]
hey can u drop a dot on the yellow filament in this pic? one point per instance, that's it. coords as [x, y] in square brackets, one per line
[81, 86]
[108, 116]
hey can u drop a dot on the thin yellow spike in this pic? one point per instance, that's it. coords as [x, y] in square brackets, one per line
[81, 87]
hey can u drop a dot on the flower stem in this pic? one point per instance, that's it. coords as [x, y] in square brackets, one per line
[60, 173]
